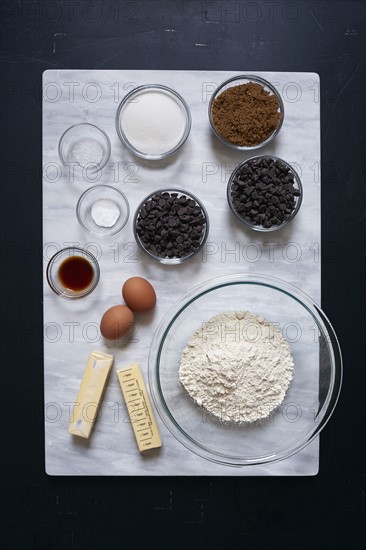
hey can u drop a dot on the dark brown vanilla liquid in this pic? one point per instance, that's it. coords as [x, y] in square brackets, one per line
[75, 273]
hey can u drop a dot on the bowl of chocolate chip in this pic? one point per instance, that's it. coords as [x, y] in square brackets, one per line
[264, 193]
[246, 112]
[171, 225]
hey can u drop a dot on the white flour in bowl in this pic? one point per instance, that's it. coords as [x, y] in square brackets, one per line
[237, 366]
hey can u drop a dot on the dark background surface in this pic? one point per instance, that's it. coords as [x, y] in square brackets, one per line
[40, 512]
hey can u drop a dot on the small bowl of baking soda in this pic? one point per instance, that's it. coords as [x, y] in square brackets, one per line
[153, 121]
[103, 210]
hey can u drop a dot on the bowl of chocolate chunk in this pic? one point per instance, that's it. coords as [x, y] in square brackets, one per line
[264, 193]
[246, 112]
[171, 225]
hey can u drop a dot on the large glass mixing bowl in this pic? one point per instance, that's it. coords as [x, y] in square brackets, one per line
[310, 398]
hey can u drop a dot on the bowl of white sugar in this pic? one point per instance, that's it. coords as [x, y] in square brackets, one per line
[153, 121]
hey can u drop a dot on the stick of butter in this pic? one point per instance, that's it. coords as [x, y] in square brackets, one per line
[90, 393]
[139, 408]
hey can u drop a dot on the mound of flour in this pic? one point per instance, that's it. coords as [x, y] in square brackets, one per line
[237, 366]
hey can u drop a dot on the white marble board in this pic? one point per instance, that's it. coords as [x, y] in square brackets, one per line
[201, 166]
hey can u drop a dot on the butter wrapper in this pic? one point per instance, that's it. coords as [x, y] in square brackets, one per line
[86, 407]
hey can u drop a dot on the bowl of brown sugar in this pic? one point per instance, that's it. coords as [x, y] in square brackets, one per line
[246, 112]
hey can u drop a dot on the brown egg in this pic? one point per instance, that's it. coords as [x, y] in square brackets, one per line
[116, 322]
[139, 294]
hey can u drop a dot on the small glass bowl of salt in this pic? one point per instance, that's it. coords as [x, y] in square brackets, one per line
[84, 148]
[103, 210]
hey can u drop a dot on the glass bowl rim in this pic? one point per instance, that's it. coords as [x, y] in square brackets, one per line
[122, 137]
[90, 190]
[97, 168]
[258, 80]
[171, 261]
[82, 252]
[258, 227]
[322, 323]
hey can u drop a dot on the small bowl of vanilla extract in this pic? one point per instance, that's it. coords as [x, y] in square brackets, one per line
[73, 273]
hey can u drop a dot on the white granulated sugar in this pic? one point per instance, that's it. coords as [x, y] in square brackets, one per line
[153, 123]
[237, 366]
[87, 151]
[105, 212]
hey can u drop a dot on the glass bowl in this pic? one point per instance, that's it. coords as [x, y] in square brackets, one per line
[86, 147]
[111, 197]
[311, 395]
[245, 79]
[53, 272]
[131, 102]
[298, 199]
[175, 260]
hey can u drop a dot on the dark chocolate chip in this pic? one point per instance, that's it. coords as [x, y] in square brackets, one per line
[170, 226]
[267, 195]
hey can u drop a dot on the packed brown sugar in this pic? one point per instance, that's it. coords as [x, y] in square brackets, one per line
[246, 115]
